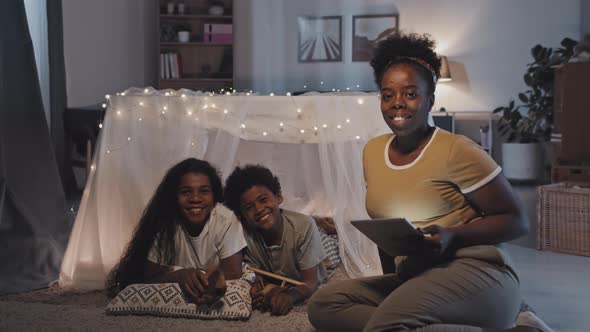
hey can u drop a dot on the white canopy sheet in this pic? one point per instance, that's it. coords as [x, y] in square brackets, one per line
[313, 143]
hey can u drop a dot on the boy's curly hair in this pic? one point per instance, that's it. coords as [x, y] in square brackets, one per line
[242, 179]
[401, 48]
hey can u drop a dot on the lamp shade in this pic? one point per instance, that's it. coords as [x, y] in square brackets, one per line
[445, 71]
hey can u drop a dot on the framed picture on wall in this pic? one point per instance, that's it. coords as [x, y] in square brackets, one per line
[368, 30]
[320, 39]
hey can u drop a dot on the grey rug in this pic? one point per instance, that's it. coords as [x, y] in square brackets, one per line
[55, 310]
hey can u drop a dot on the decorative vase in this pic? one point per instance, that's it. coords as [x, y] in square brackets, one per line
[522, 161]
[181, 8]
[183, 36]
[170, 8]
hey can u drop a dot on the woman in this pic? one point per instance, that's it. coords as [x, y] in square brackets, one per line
[184, 235]
[459, 278]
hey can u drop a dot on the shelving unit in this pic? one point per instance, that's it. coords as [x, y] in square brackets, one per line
[468, 124]
[198, 64]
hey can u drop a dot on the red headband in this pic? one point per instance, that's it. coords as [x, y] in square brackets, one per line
[422, 63]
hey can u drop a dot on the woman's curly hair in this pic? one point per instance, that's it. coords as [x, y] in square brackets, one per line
[158, 224]
[401, 48]
[242, 179]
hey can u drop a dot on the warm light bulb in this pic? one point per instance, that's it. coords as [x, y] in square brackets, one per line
[104, 105]
[339, 126]
[225, 111]
[360, 101]
[107, 96]
[128, 139]
[299, 110]
[288, 94]
[302, 131]
[141, 103]
[357, 137]
[146, 91]
[243, 126]
[347, 120]
[100, 125]
[281, 124]
[325, 125]
[264, 133]
[183, 95]
[271, 94]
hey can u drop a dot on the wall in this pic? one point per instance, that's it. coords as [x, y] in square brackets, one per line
[108, 46]
[487, 41]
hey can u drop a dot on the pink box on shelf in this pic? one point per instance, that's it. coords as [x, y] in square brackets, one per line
[218, 33]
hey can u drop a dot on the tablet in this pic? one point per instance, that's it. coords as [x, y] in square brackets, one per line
[392, 235]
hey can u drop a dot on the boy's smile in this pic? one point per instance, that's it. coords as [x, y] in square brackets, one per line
[260, 207]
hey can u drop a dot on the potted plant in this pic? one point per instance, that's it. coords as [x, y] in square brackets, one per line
[525, 126]
[183, 31]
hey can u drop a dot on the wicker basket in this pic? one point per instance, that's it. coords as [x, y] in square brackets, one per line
[564, 219]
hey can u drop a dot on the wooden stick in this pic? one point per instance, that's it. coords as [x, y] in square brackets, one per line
[276, 276]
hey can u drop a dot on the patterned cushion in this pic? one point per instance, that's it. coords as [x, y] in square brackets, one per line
[330, 244]
[168, 300]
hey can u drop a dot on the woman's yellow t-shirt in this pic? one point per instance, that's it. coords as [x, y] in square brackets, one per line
[431, 189]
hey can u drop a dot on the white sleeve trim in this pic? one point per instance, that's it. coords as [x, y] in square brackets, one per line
[483, 182]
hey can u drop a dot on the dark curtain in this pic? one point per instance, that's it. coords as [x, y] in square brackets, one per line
[34, 227]
[57, 92]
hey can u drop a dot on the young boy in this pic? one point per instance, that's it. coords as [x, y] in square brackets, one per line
[279, 241]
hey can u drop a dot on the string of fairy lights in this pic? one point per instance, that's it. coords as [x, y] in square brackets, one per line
[174, 99]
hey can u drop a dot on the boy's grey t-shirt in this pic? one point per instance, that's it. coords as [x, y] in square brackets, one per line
[300, 248]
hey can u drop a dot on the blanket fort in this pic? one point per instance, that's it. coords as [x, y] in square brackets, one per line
[313, 143]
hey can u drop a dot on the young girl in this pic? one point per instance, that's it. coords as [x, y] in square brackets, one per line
[183, 235]
[279, 241]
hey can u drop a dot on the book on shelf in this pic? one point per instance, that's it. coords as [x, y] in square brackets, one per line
[170, 65]
[218, 33]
